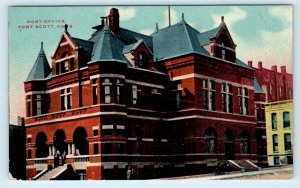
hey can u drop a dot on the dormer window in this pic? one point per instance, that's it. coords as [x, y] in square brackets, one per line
[223, 53]
[65, 63]
[142, 60]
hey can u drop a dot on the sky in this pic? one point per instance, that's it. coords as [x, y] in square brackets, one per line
[261, 33]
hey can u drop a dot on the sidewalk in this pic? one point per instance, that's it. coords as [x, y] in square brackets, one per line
[232, 175]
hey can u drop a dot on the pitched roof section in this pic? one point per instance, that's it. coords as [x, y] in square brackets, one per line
[257, 88]
[205, 37]
[242, 64]
[178, 39]
[86, 45]
[131, 47]
[41, 68]
[107, 47]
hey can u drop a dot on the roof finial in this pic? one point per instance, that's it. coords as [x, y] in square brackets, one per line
[66, 27]
[222, 18]
[182, 16]
[156, 27]
[41, 45]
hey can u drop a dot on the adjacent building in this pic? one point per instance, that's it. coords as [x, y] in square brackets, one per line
[279, 117]
[17, 155]
[172, 103]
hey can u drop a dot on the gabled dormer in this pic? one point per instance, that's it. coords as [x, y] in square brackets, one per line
[71, 54]
[139, 55]
[219, 43]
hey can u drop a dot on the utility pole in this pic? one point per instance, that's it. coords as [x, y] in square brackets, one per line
[169, 11]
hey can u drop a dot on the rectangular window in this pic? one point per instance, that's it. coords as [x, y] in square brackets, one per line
[72, 66]
[287, 141]
[38, 100]
[178, 95]
[95, 92]
[95, 132]
[275, 143]
[66, 66]
[134, 95]
[120, 148]
[223, 54]
[286, 120]
[28, 106]
[209, 94]
[96, 148]
[107, 129]
[226, 90]
[57, 68]
[119, 85]
[66, 99]
[29, 140]
[274, 121]
[120, 130]
[243, 100]
[107, 98]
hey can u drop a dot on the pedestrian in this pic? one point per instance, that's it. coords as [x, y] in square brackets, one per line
[63, 156]
[56, 159]
[128, 173]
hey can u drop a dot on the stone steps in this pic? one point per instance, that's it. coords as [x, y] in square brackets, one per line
[53, 172]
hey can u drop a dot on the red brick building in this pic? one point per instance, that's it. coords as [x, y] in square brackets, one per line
[276, 86]
[172, 103]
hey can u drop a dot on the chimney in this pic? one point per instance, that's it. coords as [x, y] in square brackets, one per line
[259, 65]
[250, 64]
[274, 68]
[283, 69]
[113, 18]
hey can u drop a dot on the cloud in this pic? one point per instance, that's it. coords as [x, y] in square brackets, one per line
[274, 48]
[125, 13]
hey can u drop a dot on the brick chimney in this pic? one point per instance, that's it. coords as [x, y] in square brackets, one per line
[114, 24]
[274, 68]
[283, 69]
[259, 65]
[250, 64]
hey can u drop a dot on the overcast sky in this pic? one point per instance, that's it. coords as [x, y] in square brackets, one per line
[260, 32]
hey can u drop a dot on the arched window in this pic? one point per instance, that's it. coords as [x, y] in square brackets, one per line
[59, 141]
[143, 60]
[41, 145]
[80, 141]
[245, 143]
[210, 140]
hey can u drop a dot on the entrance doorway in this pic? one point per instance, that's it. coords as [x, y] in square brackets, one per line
[229, 145]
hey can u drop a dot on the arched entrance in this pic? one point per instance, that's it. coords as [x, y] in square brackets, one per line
[80, 141]
[59, 141]
[229, 145]
[41, 145]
